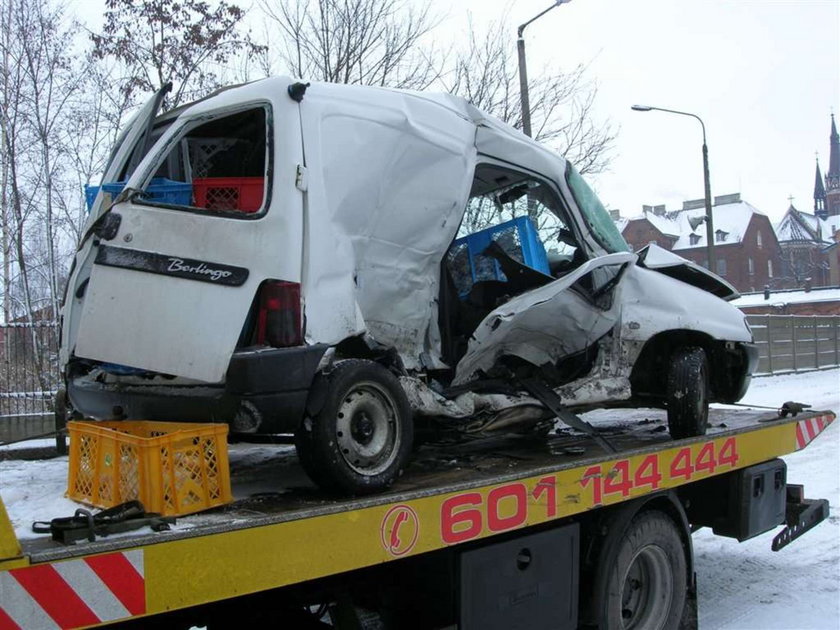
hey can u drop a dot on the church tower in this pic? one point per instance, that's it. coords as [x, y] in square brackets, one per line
[819, 194]
[832, 178]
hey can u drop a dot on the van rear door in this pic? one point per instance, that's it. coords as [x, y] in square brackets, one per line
[131, 141]
[171, 291]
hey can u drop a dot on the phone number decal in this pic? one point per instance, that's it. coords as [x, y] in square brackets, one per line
[468, 515]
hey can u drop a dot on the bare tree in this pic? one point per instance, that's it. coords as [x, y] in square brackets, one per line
[39, 77]
[94, 119]
[10, 82]
[20, 180]
[160, 41]
[369, 42]
[54, 80]
[562, 115]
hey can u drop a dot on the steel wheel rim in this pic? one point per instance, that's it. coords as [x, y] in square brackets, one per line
[367, 431]
[647, 591]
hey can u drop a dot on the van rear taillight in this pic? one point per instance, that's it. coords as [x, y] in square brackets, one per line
[279, 315]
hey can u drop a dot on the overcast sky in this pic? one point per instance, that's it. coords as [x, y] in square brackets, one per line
[764, 76]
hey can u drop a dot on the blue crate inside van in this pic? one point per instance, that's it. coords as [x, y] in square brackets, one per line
[518, 237]
[160, 189]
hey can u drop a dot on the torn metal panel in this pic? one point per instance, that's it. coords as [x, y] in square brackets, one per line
[427, 402]
[654, 257]
[543, 325]
[594, 389]
[389, 176]
[609, 379]
[472, 412]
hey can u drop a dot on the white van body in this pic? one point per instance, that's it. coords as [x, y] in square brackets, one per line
[364, 192]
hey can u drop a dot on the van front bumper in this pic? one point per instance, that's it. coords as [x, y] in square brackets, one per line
[265, 391]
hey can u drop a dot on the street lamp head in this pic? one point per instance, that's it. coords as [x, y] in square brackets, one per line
[641, 108]
[559, 2]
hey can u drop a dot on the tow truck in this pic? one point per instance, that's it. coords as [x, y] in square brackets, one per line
[503, 532]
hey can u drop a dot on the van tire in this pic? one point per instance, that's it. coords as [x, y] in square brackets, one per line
[360, 439]
[644, 579]
[687, 393]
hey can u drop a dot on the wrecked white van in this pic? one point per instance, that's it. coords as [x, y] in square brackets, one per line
[287, 258]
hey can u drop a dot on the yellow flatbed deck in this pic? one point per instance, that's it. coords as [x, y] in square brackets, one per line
[451, 494]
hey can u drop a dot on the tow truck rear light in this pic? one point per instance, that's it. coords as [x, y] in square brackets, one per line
[279, 315]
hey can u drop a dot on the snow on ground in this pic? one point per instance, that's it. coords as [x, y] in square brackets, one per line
[745, 586]
[33, 487]
[742, 586]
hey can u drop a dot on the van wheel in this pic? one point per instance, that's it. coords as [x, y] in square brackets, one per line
[645, 585]
[687, 394]
[361, 438]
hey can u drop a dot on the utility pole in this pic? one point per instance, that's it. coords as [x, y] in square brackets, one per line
[710, 230]
[523, 71]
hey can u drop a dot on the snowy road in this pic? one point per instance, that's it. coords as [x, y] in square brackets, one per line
[746, 586]
[742, 586]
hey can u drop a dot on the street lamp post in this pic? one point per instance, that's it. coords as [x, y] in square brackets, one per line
[710, 230]
[523, 72]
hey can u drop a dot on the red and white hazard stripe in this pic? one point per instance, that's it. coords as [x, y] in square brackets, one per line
[74, 593]
[807, 430]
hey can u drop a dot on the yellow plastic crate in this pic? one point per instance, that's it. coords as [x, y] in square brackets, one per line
[173, 468]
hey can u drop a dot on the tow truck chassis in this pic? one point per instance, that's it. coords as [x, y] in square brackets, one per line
[459, 507]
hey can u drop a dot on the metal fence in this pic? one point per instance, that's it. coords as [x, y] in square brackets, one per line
[29, 377]
[794, 343]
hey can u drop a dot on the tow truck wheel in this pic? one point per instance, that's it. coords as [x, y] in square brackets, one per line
[688, 393]
[646, 582]
[361, 438]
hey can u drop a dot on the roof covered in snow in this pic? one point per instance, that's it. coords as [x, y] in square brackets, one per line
[803, 226]
[783, 298]
[730, 220]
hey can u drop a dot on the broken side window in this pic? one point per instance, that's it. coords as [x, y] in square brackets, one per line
[218, 165]
[523, 218]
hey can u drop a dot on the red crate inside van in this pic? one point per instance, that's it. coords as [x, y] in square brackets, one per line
[229, 193]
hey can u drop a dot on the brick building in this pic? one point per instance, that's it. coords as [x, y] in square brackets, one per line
[832, 252]
[747, 253]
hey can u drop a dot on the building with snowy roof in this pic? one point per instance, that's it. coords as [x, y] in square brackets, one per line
[809, 241]
[747, 253]
[806, 242]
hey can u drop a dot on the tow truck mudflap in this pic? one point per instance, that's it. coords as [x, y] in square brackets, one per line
[801, 515]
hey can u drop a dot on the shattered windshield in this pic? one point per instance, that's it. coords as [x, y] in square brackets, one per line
[596, 216]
